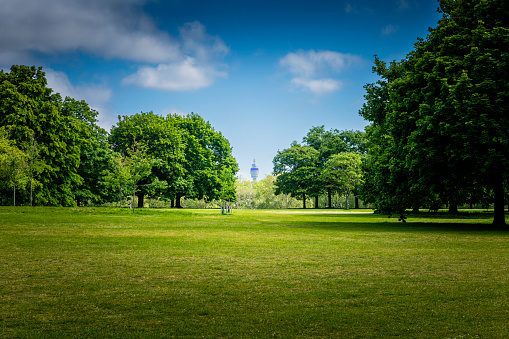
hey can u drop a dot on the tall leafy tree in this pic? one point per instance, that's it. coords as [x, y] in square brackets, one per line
[296, 169]
[162, 140]
[34, 165]
[329, 143]
[342, 173]
[446, 123]
[13, 165]
[96, 157]
[28, 108]
[209, 166]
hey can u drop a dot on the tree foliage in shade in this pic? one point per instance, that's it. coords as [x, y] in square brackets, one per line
[439, 117]
[342, 173]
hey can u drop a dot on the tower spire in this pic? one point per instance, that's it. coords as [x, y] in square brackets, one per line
[254, 171]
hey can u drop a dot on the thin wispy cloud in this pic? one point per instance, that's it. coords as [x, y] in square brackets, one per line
[317, 72]
[389, 29]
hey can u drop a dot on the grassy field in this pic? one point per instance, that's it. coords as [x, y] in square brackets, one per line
[103, 272]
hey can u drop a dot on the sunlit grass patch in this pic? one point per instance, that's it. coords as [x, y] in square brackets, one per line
[99, 272]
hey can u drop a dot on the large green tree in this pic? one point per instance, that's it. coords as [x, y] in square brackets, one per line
[209, 166]
[342, 173]
[296, 169]
[29, 109]
[162, 140]
[441, 122]
[96, 157]
[329, 143]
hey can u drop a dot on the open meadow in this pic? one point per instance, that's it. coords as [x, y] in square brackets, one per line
[106, 273]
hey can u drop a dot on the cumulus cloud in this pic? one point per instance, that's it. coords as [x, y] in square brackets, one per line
[110, 29]
[312, 70]
[107, 28]
[200, 67]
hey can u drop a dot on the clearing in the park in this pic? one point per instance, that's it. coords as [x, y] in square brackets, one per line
[108, 273]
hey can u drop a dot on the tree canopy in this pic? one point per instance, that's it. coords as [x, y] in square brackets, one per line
[439, 122]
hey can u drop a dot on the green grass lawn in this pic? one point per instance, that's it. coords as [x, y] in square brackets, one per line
[104, 272]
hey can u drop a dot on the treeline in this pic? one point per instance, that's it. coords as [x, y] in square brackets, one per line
[326, 162]
[52, 151]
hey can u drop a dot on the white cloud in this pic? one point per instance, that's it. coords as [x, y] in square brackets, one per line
[197, 70]
[183, 76]
[320, 86]
[97, 96]
[312, 70]
[107, 28]
[111, 29]
[389, 29]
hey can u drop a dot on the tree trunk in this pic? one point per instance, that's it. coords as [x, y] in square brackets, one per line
[453, 208]
[329, 195]
[347, 198]
[134, 192]
[31, 179]
[172, 204]
[177, 202]
[141, 200]
[356, 203]
[303, 200]
[120, 196]
[14, 193]
[499, 215]
[316, 201]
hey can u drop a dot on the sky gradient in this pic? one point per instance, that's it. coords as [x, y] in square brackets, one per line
[261, 72]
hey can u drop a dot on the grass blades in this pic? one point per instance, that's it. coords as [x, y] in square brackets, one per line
[103, 272]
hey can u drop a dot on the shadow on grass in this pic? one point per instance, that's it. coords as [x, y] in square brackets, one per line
[435, 222]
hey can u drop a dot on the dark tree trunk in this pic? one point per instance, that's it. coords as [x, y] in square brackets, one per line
[453, 208]
[356, 203]
[172, 203]
[141, 199]
[316, 202]
[499, 215]
[303, 200]
[329, 195]
[177, 200]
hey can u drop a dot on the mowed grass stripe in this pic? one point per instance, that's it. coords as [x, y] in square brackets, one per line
[97, 272]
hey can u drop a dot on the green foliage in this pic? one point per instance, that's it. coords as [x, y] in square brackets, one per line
[13, 165]
[297, 170]
[209, 167]
[27, 110]
[261, 195]
[439, 117]
[162, 140]
[342, 173]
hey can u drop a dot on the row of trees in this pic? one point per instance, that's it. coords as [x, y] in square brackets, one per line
[327, 162]
[52, 151]
[439, 131]
[261, 195]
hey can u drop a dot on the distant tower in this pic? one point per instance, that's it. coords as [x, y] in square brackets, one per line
[254, 171]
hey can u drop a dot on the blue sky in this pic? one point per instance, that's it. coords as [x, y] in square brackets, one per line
[262, 72]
